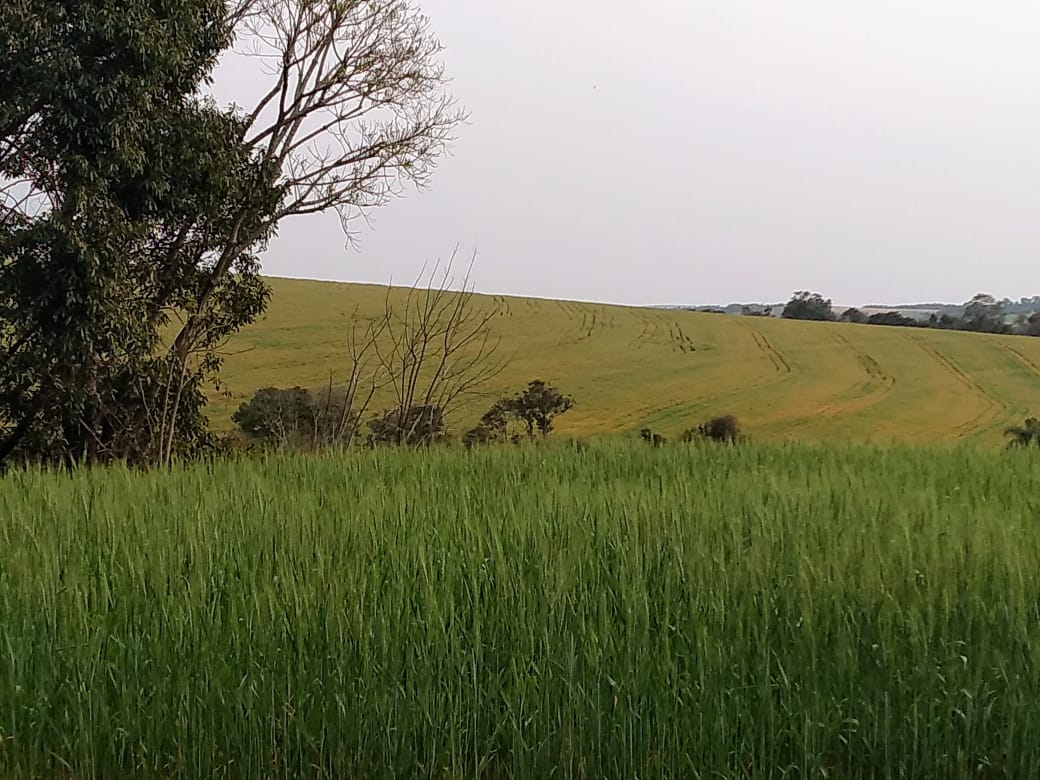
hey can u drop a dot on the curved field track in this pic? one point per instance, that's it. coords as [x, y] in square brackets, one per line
[633, 367]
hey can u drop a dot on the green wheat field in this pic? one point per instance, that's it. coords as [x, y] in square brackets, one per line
[854, 592]
[633, 367]
[610, 610]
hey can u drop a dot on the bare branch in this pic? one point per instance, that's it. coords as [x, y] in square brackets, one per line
[357, 110]
[354, 114]
[428, 349]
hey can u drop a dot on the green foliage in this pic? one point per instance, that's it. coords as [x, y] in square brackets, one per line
[853, 315]
[275, 415]
[945, 322]
[985, 314]
[134, 187]
[494, 425]
[297, 417]
[534, 409]
[806, 305]
[893, 318]
[480, 435]
[1032, 327]
[125, 409]
[619, 611]
[538, 406]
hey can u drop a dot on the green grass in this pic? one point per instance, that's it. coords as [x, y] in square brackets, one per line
[631, 367]
[617, 611]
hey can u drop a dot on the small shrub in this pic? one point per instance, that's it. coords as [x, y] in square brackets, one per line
[296, 417]
[276, 415]
[420, 425]
[722, 429]
[651, 438]
[493, 426]
[1024, 435]
[479, 435]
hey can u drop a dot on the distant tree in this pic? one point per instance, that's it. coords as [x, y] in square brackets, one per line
[853, 315]
[538, 406]
[1019, 325]
[944, 322]
[892, 318]
[533, 410]
[753, 311]
[1024, 435]
[985, 314]
[806, 305]
[1032, 327]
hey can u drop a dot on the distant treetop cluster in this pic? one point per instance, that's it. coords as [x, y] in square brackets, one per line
[982, 314]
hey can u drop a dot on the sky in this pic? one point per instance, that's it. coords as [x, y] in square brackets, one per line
[686, 151]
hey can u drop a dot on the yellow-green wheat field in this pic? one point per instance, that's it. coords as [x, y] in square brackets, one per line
[630, 367]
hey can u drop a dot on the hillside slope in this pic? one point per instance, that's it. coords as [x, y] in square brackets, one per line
[630, 367]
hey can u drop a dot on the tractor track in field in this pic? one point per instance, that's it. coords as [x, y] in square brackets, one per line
[649, 331]
[780, 374]
[879, 382]
[994, 406]
[1023, 359]
[642, 415]
[680, 341]
[766, 346]
[645, 333]
[588, 324]
[576, 317]
[504, 309]
[567, 309]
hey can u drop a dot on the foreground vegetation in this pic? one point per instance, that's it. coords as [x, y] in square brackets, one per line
[614, 610]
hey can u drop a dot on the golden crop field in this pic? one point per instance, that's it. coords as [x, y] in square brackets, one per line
[633, 367]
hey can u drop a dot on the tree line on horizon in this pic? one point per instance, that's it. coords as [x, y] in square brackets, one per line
[982, 314]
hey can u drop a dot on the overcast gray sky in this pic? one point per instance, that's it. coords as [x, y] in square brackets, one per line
[674, 151]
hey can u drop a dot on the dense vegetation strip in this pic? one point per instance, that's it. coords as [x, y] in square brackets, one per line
[616, 610]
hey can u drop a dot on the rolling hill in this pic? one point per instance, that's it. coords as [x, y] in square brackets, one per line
[634, 367]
